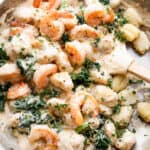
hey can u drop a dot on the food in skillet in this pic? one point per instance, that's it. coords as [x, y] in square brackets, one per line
[63, 80]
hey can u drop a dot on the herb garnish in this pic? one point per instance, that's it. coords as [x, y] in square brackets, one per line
[135, 81]
[109, 83]
[105, 2]
[116, 109]
[61, 106]
[119, 21]
[49, 93]
[3, 56]
[102, 141]
[64, 4]
[88, 64]
[3, 90]
[97, 136]
[83, 77]
[65, 38]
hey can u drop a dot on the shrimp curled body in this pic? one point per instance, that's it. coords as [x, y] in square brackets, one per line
[88, 104]
[54, 24]
[41, 74]
[44, 133]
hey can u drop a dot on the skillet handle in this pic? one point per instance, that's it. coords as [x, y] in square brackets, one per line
[139, 71]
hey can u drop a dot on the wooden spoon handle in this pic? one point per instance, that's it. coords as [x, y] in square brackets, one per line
[139, 71]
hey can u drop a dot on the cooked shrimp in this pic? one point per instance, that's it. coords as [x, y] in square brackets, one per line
[96, 14]
[62, 80]
[88, 104]
[41, 74]
[52, 4]
[83, 32]
[63, 62]
[53, 29]
[54, 24]
[10, 73]
[43, 132]
[18, 90]
[110, 16]
[76, 52]
[36, 3]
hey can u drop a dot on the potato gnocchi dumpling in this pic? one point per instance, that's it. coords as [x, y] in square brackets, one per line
[131, 32]
[133, 16]
[142, 43]
[105, 95]
[128, 96]
[126, 142]
[123, 117]
[119, 82]
[143, 109]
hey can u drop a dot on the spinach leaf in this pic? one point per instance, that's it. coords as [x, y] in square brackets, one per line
[28, 103]
[3, 56]
[80, 19]
[60, 107]
[135, 81]
[105, 2]
[119, 21]
[119, 18]
[64, 4]
[109, 83]
[27, 66]
[37, 117]
[116, 109]
[88, 64]
[81, 78]
[102, 141]
[49, 93]
[65, 38]
[86, 130]
[120, 36]
[3, 92]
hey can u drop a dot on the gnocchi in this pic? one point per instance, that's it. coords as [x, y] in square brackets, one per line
[131, 32]
[143, 109]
